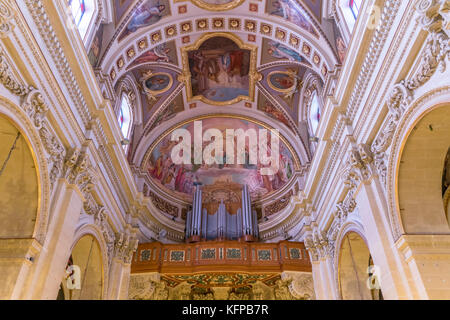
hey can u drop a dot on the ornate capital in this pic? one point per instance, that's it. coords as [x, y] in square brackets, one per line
[433, 14]
[78, 171]
[125, 246]
[6, 15]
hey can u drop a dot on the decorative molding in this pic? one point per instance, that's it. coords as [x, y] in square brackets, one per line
[6, 15]
[36, 108]
[125, 246]
[101, 220]
[435, 54]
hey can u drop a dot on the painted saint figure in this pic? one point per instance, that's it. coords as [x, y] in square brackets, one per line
[147, 14]
[143, 15]
[279, 51]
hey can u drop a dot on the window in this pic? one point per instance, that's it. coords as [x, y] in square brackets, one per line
[125, 117]
[354, 6]
[83, 14]
[314, 113]
[78, 8]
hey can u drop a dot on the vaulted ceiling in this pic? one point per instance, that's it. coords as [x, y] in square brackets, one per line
[248, 60]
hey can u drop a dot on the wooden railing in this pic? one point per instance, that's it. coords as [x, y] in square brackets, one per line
[221, 256]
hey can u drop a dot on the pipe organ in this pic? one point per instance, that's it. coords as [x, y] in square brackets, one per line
[221, 212]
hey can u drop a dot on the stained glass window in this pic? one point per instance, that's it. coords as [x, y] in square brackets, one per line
[355, 5]
[78, 8]
[125, 117]
[314, 113]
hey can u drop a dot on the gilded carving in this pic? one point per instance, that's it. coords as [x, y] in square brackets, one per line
[163, 205]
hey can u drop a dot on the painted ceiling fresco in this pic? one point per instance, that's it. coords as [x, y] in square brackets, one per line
[146, 14]
[285, 83]
[274, 51]
[189, 55]
[156, 85]
[219, 70]
[292, 12]
[165, 52]
[180, 179]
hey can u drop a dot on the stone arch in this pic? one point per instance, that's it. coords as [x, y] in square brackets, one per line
[19, 183]
[410, 128]
[89, 253]
[18, 119]
[353, 262]
[420, 173]
[128, 86]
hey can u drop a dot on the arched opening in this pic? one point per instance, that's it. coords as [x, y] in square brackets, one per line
[314, 113]
[125, 116]
[125, 119]
[422, 175]
[18, 184]
[84, 272]
[357, 274]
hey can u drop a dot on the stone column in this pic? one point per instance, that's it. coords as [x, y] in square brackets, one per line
[373, 212]
[16, 256]
[65, 211]
[119, 276]
[51, 264]
[322, 267]
[326, 266]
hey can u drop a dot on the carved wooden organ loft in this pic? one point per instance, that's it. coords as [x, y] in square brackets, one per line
[222, 236]
[222, 212]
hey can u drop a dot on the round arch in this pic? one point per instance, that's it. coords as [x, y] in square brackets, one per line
[414, 124]
[232, 111]
[353, 262]
[19, 183]
[17, 119]
[419, 175]
[89, 254]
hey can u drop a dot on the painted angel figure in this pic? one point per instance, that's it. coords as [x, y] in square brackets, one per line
[143, 15]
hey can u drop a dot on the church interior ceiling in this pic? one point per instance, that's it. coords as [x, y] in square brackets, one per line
[251, 62]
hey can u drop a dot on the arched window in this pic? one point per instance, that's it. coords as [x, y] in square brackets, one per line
[125, 117]
[78, 8]
[354, 6]
[349, 10]
[82, 12]
[314, 113]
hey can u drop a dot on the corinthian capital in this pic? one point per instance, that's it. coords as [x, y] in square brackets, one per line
[125, 246]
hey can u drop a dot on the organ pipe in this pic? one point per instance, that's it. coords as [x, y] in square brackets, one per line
[222, 224]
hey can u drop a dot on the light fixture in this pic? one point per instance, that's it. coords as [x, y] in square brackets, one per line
[314, 139]
[125, 142]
